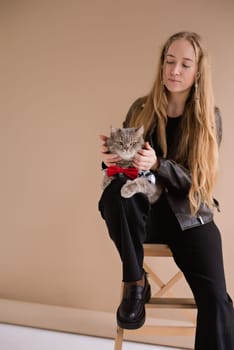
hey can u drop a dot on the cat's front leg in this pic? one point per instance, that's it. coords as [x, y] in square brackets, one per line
[129, 188]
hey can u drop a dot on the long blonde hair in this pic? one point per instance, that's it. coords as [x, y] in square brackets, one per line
[197, 146]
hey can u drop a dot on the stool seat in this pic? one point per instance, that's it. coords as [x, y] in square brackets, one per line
[157, 250]
[162, 299]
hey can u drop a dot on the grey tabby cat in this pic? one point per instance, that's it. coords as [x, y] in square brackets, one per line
[126, 142]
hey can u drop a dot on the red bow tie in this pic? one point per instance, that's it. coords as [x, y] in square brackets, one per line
[132, 173]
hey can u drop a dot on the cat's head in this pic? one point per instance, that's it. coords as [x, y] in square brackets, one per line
[125, 142]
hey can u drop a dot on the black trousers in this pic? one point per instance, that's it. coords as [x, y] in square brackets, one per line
[197, 252]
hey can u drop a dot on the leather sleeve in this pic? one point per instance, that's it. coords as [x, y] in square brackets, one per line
[174, 177]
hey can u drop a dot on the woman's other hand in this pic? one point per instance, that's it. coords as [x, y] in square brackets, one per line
[146, 158]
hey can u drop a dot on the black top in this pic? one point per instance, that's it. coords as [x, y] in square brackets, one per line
[172, 133]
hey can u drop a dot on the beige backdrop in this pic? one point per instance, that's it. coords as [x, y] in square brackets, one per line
[69, 70]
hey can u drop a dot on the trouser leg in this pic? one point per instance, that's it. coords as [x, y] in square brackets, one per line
[198, 253]
[125, 220]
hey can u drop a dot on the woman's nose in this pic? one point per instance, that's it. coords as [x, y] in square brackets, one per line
[175, 70]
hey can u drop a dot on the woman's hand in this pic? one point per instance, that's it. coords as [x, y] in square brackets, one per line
[146, 158]
[107, 158]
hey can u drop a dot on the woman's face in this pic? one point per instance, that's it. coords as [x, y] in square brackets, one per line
[180, 67]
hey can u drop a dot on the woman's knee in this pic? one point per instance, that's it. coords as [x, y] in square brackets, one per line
[111, 195]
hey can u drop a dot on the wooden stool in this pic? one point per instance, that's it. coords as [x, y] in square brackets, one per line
[158, 300]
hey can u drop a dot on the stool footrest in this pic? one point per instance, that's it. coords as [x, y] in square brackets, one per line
[163, 331]
[176, 303]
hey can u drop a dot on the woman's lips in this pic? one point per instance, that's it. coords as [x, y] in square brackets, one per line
[174, 80]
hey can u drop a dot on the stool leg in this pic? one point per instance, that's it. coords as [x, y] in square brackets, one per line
[119, 338]
[119, 331]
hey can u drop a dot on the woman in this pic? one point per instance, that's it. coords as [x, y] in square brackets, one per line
[182, 133]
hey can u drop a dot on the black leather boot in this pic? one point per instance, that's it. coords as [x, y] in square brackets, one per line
[131, 312]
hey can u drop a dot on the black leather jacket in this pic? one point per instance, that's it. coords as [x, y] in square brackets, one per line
[176, 181]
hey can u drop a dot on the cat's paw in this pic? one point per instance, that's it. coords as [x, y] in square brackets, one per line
[106, 181]
[129, 189]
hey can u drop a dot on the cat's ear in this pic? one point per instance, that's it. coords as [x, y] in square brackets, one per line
[140, 131]
[113, 130]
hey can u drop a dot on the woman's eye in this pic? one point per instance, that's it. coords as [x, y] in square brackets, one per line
[183, 65]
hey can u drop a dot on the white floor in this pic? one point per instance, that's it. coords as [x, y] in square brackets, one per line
[25, 338]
